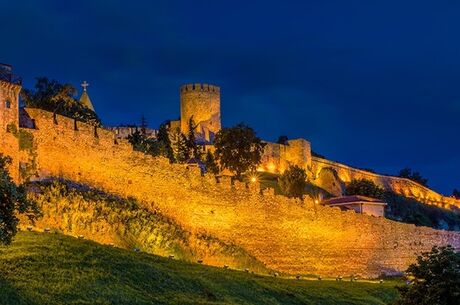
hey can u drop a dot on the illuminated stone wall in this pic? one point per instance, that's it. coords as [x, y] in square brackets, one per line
[332, 176]
[277, 157]
[202, 102]
[286, 235]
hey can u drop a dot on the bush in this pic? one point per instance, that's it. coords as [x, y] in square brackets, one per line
[435, 279]
[13, 200]
[364, 187]
[292, 182]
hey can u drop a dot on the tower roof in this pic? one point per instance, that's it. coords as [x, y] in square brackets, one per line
[84, 98]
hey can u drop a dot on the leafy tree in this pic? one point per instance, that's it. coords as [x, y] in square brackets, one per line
[136, 139]
[58, 98]
[211, 165]
[238, 149]
[292, 182]
[282, 140]
[13, 200]
[364, 187]
[412, 175]
[435, 279]
[141, 142]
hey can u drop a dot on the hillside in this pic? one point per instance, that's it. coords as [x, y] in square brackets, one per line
[41, 268]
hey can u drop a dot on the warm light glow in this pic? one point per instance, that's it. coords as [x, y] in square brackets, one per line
[254, 179]
[271, 167]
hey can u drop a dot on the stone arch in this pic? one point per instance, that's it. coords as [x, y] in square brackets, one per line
[330, 181]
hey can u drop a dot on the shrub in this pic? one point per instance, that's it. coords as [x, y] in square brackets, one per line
[435, 279]
[292, 182]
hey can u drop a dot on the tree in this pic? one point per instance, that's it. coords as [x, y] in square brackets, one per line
[211, 165]
[292, 182]
[193, 148]
[412, 175]
[13, 200]
[58, 98]
[456, 193]
[143, 125]
[364, 187]
[435, 279]
[137, 140]
[238, 149]
[283, 140]
[164, 142]
[180, 146]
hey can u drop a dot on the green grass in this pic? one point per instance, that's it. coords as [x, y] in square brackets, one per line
[41, 268]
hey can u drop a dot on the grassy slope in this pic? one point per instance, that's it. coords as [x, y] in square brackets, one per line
[41, 268]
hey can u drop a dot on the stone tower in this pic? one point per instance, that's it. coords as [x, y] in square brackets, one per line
[202, 103]
[10, 86]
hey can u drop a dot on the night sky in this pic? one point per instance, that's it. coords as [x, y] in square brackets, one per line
[373, 84]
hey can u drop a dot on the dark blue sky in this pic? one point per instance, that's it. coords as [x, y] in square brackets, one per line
[372, 84]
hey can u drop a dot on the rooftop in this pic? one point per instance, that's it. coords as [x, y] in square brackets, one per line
[352, 199]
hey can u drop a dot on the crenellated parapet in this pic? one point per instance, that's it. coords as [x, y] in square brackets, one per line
[199, 88]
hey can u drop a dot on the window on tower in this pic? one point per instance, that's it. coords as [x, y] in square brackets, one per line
[7, 104]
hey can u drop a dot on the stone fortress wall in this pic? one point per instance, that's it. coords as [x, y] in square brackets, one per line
[202, 103]
[332, 175]
[289, 236]
[277, 157]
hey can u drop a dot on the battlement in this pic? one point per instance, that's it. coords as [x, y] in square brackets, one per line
[67, 127]
[199, 88]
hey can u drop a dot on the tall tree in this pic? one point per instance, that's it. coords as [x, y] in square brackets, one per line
[238, 149]
[13, 200]
[180, 146]
[194, 149]
[292, 182]
[55, 97]
[143, 125]
[165, 142]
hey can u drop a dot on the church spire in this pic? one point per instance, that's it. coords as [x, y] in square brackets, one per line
[84, 98]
